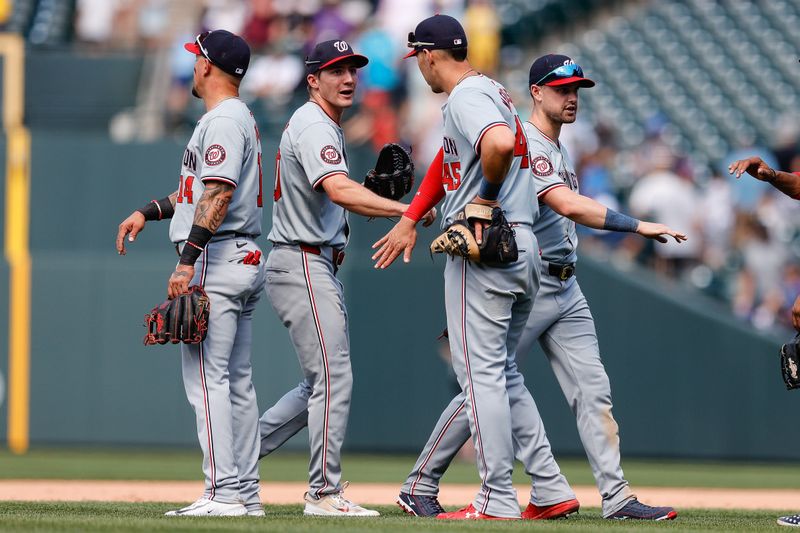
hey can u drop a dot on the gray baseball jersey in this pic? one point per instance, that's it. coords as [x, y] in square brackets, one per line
[475, 106]
[226, 147]
[308, 232]
[562, 323]
[487, 307]
[552, 168]
[312, 149]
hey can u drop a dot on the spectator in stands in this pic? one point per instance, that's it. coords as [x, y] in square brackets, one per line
[94, 21]
[669, 198]
[789, 184]
[274, 76]
[482, 26]
[382, 89]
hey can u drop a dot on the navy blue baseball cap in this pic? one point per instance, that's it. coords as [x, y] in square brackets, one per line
[439, 32]
[224, 49]
[557, 69]
[328, 53]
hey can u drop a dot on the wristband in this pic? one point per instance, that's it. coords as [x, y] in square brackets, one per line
[158, 209]
[619, 222]
[195, 244]
[489, 191]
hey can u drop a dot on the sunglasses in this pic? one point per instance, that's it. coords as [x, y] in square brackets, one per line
[414, 43]
[564, 71]
[199, 40]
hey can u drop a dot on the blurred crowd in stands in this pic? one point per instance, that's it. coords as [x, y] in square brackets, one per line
[744, 244]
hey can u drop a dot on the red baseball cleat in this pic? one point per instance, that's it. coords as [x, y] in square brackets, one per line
[469, 513]
[551, 512]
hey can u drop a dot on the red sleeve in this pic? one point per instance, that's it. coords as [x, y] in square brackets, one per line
[430, 191]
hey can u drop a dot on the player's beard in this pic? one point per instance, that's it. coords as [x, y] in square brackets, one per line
[195, 93]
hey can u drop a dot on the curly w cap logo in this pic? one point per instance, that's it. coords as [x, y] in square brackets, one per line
[215, 154]
[542, 166]
[342, 46]
[331, 155]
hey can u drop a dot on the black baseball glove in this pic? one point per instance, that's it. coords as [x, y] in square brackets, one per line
[498, 245]
[393, 175]
[790, 363]
[182, 319]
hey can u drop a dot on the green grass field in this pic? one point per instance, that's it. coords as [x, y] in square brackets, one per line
[23, 516]
[185, 465]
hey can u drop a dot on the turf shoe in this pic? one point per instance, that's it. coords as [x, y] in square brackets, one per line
[256, 512]
[791, 521]
[470, 513]
[551, 512]
[206, 507]
[335, 505]
[419, 505]
[636, 510]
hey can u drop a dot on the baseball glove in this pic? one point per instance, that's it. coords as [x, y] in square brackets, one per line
[498, 246]
[393, 175]
[790, 363]
[182, 319]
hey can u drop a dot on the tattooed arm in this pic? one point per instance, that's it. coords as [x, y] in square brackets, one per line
[213, 205]
[208, 216]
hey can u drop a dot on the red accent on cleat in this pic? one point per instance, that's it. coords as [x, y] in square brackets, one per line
[469, 513]
[551, 512]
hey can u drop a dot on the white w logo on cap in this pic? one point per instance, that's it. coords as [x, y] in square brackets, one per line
[342, 46]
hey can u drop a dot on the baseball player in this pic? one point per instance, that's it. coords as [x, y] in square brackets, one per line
[313, 194]
[789, 184]
[216, 215]
[560, 320]
[485, 160]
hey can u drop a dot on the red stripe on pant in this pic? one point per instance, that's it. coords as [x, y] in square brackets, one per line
[436, 445]
[206, 406]
[327, 373]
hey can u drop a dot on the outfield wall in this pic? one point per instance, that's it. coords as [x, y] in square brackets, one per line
[688, 379]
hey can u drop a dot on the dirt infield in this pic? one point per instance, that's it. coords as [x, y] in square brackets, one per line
[377, 494]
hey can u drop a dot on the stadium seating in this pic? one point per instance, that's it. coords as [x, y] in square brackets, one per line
[724, 73]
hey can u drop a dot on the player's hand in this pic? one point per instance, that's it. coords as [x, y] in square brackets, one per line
[429, 217]
[131, 227]
[796, 314]
[480, 224]
[659, 232]
[400, 240]
[179, 281]
[755, 166]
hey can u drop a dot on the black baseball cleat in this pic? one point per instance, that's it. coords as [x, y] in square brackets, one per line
[635, 510]
[419, 505]
[791, 521]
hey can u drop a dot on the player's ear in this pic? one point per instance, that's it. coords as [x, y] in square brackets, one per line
[536, 93]
[313, 81]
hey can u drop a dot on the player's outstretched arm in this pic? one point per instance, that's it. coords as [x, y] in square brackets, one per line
[134, 224]
[402, 238]
[208, 216]
[786, 182]
[358, 199]
[588, 212]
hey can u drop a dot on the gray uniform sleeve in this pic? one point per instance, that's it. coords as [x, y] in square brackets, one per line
[544, 175]
[320, 151]
[474, 113]
[222, 144]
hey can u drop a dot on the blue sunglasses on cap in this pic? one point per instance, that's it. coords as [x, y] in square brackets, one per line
[564, 71]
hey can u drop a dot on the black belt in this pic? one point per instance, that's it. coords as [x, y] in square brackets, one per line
[234, 234]
[562, 272]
